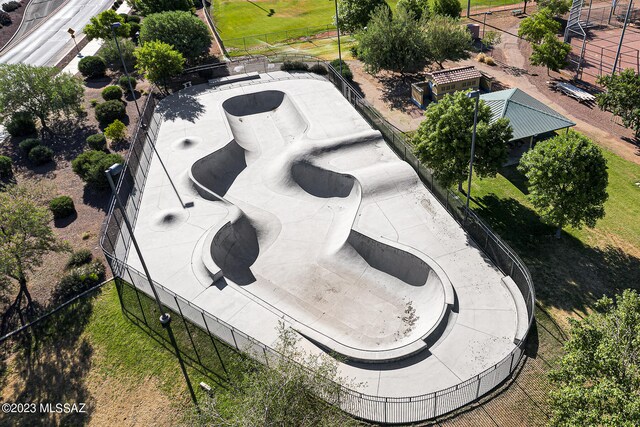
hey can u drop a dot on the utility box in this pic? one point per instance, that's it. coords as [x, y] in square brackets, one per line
[474, 29]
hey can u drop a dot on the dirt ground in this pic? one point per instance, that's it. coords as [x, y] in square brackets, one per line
[82, 231]
[391, 95]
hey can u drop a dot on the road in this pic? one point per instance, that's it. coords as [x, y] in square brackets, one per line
[50, 42]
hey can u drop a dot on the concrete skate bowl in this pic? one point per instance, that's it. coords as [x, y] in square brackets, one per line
[404, 298]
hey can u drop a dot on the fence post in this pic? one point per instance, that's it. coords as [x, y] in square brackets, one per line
[186, 326]
[234, 339]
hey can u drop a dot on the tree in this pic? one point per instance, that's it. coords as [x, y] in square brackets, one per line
[446, 39]
[185, 32]
[443, 139]
[40, 91]
[535, 27]
[419, 8]
[567, 180]
[551, 53]
[99, 27]
[622, 97]
[147, 7]
[490, 39]
[450, 8]
[557, 7]
[109, 52]
[354, 15]
[394, 43]
[285, 393]
[597, 381]
[25, 237]
[159, 62]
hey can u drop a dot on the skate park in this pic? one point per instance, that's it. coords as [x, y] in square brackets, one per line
[292, 208]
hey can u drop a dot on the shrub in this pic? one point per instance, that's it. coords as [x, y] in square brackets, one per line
[29, 144]
[135, 28]
[124, 82]
[90, 167]
[5, 167]
[346, 71]
[294, 66]
[318, 69]
[109, 111]
[489, 61]
[92, 66]
[21, 123]
[79, 257]
[78, 280]
[354, 51]
[116, 131]
[97, 142]
[10, 6]
[39, 155]
[481, 57]
[94, 103]
[110, 93]
[133, 18]
[61, 207]
[5, 19]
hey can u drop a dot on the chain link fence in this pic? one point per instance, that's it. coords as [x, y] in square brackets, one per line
[115, 243]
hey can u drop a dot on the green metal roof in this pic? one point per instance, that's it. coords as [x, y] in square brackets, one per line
[527, 115]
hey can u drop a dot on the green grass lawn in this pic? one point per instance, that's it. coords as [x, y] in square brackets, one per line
[261, 26]
[570, 273]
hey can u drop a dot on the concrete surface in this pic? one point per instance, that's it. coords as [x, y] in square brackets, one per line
[302, 213]
[49, 42]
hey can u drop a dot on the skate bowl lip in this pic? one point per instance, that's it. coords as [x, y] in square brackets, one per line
[444, 299]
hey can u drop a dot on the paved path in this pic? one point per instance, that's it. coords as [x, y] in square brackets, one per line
[50, 42]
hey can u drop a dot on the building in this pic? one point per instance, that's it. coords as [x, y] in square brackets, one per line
[442, 82]
[531, 120]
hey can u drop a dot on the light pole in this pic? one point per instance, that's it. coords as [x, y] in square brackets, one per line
[484, 22]
[474, 94]
[72, 33]
[338, 27]
[124, 65]
[165, 318]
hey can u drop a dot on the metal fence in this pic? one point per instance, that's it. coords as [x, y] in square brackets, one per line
[115, 244]
[259, 41]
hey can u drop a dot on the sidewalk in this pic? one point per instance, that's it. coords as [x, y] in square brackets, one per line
[92, 47]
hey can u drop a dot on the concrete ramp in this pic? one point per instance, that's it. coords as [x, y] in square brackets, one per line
[214, 174]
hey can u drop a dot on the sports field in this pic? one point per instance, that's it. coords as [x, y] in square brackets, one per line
[241, 18]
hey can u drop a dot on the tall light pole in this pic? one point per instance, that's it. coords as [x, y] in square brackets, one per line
[144, 126]
[338, 27]
[165, 318]
[474, 94]
[124, 65]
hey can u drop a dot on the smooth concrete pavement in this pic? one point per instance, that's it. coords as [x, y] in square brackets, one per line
[293, 257]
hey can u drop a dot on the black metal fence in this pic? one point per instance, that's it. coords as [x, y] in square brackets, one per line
[115, 243]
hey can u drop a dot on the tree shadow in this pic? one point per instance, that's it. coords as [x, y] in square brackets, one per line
[517, 178]
[396, 91]
[567, 274]
[96, 198]
[69, 137]
[54, 362]
[181, 105]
